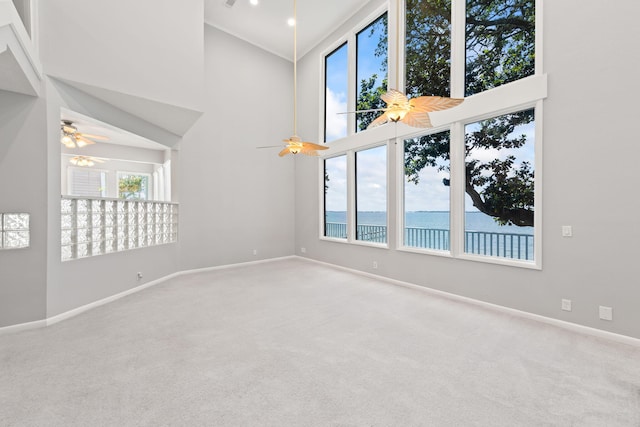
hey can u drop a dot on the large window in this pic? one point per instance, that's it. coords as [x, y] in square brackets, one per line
[371, 70]
[335, 197]
[428, 47]
[499, 182]
[426, 191]
[335, 94]
[365, 51]
[470, 185]
[371, 195]
[500, 43]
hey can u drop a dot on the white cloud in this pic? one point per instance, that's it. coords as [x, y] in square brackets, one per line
[336, 123]
[430, 194]
[371, 179]
[336, 199]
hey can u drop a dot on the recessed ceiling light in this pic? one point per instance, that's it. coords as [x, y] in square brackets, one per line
[253, 2]
[291, 22]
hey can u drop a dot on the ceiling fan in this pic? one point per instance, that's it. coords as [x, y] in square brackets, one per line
[413, 112]
[85, 161]
[294, 144]
[71, 138]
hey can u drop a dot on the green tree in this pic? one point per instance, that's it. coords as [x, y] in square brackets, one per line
[130, 186]
[500, 42]
[369, 99]
[368, 93]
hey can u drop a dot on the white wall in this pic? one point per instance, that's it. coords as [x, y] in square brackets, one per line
[235, 198]
[590, 164]
[147, 48]
[75, 283]
[23, 166]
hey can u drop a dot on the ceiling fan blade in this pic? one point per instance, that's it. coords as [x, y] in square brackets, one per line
[393, 96]
[362, 111]
[81, 142]
[308, 151]
[314, 146]
[284, 152]
[417, 119]
[433, 103]
[379, 121]
[270, 146]
[88, 135]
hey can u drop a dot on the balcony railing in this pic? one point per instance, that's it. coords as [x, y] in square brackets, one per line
[97, 226]
[505, 245]
[371, 233]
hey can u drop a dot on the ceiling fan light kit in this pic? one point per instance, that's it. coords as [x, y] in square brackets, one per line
[84, 161]
[71, 138]
[294, 144]
[413, 112]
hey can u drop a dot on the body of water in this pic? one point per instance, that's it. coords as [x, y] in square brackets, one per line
[474, 221]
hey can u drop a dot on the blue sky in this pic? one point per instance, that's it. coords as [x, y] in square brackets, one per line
[430, 194]
[337, 78]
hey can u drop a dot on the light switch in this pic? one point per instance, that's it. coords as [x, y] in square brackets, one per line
[567, 231]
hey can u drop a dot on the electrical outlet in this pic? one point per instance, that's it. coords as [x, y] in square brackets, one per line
[375, 264]
[303, 250]
[255, 252]
[606, 313]
[567, 231]
[566, 304]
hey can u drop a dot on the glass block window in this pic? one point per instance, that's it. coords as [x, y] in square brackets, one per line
[14, 230]
[99, 226]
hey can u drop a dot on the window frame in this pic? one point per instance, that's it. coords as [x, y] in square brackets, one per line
[351, 197]
[150, 184]
[334, 49]
[323, 231]
[351, 41]
[70, 172]
[528, 92]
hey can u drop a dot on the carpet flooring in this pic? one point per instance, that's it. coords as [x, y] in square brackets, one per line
[296, 343]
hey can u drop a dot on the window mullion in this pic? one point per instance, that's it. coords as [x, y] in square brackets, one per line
[458, 47]
[352, 88]
[457, 188]
[351, 196]
[395, 45]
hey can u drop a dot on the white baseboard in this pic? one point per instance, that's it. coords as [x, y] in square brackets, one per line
[23, 326]
[574, 327]
[79, 310]
[239, 264]
[624, 339]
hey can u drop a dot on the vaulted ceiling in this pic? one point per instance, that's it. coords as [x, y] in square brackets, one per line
[265, 25]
